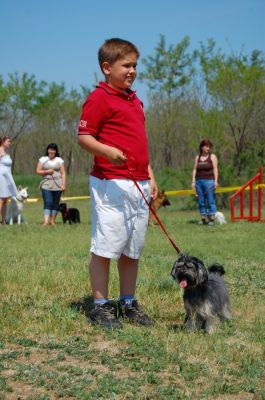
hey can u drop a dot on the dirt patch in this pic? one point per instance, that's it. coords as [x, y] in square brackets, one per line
[105, 346]
[21, 391]
[239, 396]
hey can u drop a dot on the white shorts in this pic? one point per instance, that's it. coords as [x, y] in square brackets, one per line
[119, 217]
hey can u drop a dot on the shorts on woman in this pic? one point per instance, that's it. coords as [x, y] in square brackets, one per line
[119, 217]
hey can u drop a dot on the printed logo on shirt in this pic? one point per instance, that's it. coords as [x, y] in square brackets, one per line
[83, 124]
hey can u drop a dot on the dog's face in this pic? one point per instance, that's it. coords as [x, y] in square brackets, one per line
[23, 192]
[162, 198]
[62, 207]
[189, 272]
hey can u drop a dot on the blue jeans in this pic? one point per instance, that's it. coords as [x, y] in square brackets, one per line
[206, 199]
[51, 200]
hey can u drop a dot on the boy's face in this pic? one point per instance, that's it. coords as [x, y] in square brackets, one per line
[121, 74]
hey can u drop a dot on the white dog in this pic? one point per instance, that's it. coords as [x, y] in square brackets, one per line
[15, 207]
[220, 218]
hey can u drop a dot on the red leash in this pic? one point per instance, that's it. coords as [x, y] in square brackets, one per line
[153, 212]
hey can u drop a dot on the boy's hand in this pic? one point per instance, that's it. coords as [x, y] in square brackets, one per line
[92, 145]
[115, 156]
[154, 189]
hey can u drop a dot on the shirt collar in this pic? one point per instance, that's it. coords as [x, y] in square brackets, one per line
[129, 93]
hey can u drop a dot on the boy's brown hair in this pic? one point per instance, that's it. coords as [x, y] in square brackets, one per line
[115, 49]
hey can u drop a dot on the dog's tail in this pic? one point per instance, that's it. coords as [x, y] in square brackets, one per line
[216, 269]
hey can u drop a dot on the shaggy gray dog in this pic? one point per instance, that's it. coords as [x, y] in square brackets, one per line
[206, 298]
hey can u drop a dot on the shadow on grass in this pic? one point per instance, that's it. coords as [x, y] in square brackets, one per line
[176, 328]
[193, 221]
[84, 306]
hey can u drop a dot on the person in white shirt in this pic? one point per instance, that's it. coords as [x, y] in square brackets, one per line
[51, 167]
[7, 185]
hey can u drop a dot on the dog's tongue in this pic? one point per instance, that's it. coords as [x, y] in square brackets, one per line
[183, 283]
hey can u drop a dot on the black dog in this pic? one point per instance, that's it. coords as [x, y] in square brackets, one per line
[205, 296]
[72, 215]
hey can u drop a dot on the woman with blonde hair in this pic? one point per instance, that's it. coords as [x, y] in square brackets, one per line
[7, 185]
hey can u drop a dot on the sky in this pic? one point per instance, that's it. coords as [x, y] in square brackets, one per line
[58, 40]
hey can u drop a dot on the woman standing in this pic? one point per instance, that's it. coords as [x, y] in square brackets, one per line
[205, 181]
[7, 184]
[51, 167]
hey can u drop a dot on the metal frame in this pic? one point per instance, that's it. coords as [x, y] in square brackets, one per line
[251, 185]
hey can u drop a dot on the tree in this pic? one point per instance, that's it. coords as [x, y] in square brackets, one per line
[18, 99]
[167, 73]
[169, 69]
[236, 84]
[37, 113]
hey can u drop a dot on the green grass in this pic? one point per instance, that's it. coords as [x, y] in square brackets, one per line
[48, 350]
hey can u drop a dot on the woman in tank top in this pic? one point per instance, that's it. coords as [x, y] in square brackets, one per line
[205, 181]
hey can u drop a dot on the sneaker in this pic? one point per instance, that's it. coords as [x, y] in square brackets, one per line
[202, 222]
[211, 223]
[105, 315]
[134, 313]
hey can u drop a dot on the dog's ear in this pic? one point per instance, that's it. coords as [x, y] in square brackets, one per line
[197, 261]
[202, 274]
[20, 187]
[177, 264]
[26, 188]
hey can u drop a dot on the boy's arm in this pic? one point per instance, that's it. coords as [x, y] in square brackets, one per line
[154, 188]
[93, 146]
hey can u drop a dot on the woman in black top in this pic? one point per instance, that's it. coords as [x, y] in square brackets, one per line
[205, 181]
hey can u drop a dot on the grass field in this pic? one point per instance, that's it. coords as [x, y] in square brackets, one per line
[48, 350]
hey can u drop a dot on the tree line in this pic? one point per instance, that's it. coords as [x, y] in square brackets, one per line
[191, 95]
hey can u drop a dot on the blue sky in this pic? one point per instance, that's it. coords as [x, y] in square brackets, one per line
[57, 40]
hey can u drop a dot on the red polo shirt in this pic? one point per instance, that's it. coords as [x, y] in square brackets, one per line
[116, 119]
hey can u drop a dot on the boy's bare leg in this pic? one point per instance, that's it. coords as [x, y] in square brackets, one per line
[128, 271]
[129, 306]
[105, 312]
[99, 276]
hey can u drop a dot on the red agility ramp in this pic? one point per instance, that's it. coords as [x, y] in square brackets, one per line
[252, 212]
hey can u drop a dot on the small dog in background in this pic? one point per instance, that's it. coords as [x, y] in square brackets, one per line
[220, 218]
[15, 207]
[72, 215]
[160, 201]
[206, 298]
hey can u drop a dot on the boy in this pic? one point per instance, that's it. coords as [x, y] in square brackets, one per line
[112, 129]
